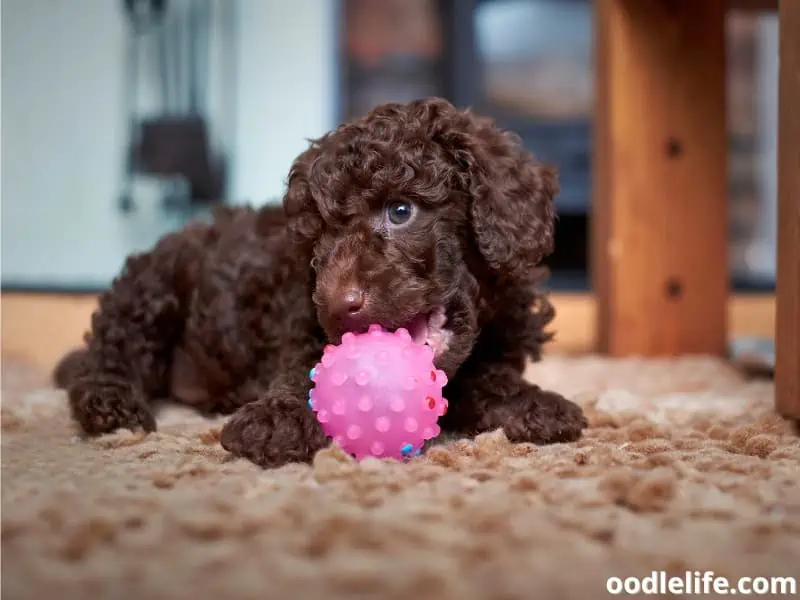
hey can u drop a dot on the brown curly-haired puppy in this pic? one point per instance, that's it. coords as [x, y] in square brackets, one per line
[417, 215]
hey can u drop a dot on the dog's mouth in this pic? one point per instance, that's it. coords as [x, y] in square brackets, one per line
[429, 328]
[426, 328]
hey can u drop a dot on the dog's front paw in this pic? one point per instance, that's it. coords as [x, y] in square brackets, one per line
[543, 417]
[103, 407]
[272, 433]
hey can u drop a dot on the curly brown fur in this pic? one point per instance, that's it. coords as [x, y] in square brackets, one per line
[419, 215]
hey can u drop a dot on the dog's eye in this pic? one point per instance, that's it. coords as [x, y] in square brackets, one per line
[399, 212]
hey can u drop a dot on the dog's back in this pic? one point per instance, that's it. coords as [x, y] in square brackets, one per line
[195, 242]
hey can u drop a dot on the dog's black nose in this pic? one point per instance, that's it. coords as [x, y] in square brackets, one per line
[350, 302]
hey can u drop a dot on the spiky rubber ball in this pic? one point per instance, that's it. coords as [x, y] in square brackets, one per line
[378, 394]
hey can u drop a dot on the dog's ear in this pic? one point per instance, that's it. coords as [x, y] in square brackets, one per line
[304, 220]
[512, 199]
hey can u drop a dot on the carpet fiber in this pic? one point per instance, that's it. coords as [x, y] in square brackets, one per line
[685, 467]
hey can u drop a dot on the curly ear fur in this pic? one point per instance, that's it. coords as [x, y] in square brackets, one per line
[304, 220]
[511, 193]
[512, 201]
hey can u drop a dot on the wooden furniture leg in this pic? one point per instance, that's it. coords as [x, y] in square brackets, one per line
[660, 265]
[787, 315]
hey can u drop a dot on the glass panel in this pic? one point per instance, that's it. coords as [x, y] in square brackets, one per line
[535, 72]
[535, 57]
[752, 48]
[394, 52]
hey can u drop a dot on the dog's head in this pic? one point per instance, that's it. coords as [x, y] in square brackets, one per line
[409, 212]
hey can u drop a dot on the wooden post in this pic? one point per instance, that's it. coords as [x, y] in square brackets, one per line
[787, 316]
[659, 215]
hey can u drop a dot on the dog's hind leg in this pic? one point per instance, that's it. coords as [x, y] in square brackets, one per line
[127, 359]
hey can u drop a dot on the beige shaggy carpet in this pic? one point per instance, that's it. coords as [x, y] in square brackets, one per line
[685, 467]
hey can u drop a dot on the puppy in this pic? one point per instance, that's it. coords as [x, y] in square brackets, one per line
[419, 215]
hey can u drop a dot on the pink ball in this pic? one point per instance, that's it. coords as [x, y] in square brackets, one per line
[378, 394]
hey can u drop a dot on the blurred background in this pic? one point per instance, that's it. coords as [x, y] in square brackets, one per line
[122, 119]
